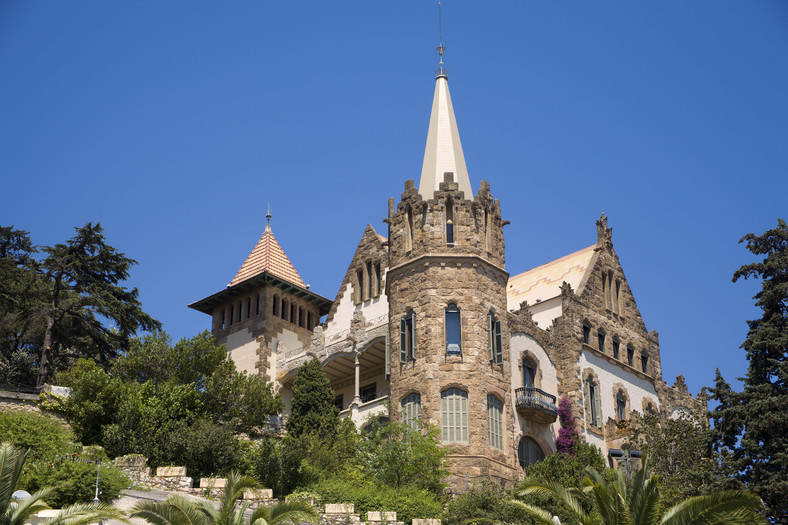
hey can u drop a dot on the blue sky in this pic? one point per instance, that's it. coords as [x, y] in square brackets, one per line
[175, 123]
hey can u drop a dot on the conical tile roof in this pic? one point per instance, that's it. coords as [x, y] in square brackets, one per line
[268, 256]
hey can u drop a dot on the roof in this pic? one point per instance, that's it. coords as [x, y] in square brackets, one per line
[268, 256]
[544, 282]
[443, 152]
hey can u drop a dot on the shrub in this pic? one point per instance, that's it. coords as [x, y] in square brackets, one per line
[44, 436]
[484, 502]
[74, 481]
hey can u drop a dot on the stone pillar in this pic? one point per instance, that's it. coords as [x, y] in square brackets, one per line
[357, 394]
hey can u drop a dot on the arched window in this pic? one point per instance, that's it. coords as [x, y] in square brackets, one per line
[407, 337]
[529, 452]
[593, 401]
[449, 222]
[586, 333]
[631, 356]
[644, 362]
[616, 348]
[600, 336]
[454, 416]
[453, 330]
[529, 374]
[495, 422]
[496, 341]
[411, 410]
[621, 405]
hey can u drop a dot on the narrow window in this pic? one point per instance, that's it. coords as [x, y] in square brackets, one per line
[275, 307]
[408, 230]
[621, 406]
[369, 279]
[223, 314]
[338, 402]
[360, 288]
[592, 393]
[617, 298]
[529, 374]
[630, 356]
[240, 310]
[453, 332]
[606, 290]
[616, 348]
[586, 333]
[377, 279]
[407, 338]
[601, 339]
[232, 314]
[283, 309]
[449, 222]
[495, 339]
[644, 362]
[301, 317]
[529, 452]
[293, 313]
[249, 308]
[454, 416]
[257, 305]
[411, 410]
[309, 324]
[494, 422]
[368, 393]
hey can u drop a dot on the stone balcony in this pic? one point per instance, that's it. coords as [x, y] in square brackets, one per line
[365, 411]
[535, 404]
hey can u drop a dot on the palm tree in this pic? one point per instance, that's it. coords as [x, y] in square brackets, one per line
[638, 503]
[12, 461]
[178, 510]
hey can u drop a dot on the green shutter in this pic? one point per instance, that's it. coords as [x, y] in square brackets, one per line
[413, 336]
[403, 342]
[490, 337]
[498, 344]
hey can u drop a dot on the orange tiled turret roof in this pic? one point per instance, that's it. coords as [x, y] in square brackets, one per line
[268, 256]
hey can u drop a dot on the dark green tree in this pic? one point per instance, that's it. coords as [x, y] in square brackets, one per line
[312, 408]
[751, 424]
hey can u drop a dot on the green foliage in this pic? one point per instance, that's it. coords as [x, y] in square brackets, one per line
[12, 464]
[312, 407]
[602, 500]
[750, 425]
[408, 502]
[680, 454]
[73, 481]
[398, 455]
[484, 503]
[42, 435]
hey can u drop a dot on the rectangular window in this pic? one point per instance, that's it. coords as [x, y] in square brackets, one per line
[586, 333]
[301, 317]
[275, 308]
[621, 406]
[309, 321]
[249, 308]
[593, 403]
[407, 338]
[370, 276]
[222, 325]
[494, 422]
[616, 349]
[360, 289]
[630, 356]
[293, 313]
[257, 305]
[454, 416]
[232, 314]
[529, 374]
[378, 285]
[367, 393]
[411, 410]
[453, 330]
[644, 362]
[601, 340]
[495, 339]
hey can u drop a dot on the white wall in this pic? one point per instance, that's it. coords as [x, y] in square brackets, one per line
[544, 312]
[371, 309]
[244, 351]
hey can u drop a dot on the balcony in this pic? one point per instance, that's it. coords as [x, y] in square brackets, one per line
[535, 404]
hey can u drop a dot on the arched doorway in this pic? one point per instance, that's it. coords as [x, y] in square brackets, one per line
[529, 452]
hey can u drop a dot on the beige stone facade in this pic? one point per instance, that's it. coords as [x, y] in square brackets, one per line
[428, 324]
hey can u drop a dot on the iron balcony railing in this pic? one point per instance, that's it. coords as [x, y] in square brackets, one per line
[535, 398]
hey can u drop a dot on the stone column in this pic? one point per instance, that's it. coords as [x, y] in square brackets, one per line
[357, 398]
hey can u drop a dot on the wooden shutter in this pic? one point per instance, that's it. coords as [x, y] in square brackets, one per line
[491, 336]
[403, 341]
[498, 344]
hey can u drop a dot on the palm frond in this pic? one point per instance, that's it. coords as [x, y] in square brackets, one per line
[86, 514]
[12, 460]
[175, 510]
[569, 497]
[716, 508]
[542, 516]
[286, 512]
[27, 507]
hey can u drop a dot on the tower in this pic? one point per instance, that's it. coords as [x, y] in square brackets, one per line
[446, 289]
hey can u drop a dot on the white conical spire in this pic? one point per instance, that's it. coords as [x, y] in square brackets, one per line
[444, 151]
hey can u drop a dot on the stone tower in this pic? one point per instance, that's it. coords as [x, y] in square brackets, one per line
[446, 289]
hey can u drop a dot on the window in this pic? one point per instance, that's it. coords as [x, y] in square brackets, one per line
[601, 339]
[650, 409]
[630, 356]
[586, 333]
[592, 398]
[309, 321]
[496, 341]
[449, 222]
[411, 410]
[529, 374]
[369, 279]
[285, 309]
[232, 312]
[606, 290]
[377, 279]
[453, 332]
[360, 287]
[454, 416]
[368, 393]
[338, 402]
[644, 362]
[240, 310]
[529, 452]
[257, 305]
[616, 348]
[407, 338]
[617, 298]
[223, 314]
[301, 317]
[494, 422]
[293, 313]
[408, 229]
[621, 406]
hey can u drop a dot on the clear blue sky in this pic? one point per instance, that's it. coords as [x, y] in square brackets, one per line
[175, 123]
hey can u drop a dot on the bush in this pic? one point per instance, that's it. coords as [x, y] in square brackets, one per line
[485, 502]
[44, 436]
[74, 481]
[407, 502]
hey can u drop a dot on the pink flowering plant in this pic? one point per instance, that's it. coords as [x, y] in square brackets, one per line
[568, 437]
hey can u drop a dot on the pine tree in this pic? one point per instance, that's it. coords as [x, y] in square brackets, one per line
[752, 423]
[312, 408]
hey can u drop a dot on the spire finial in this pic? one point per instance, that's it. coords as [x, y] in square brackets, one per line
[268, 218]
[441, 71]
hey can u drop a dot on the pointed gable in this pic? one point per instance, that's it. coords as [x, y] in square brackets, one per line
[268, 256]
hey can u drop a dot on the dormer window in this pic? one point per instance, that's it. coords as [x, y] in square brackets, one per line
[453, 331]
[449, 222]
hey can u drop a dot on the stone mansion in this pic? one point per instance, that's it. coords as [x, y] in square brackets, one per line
[427, 323]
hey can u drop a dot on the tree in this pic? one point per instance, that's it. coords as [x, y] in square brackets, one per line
[312, 407]
[637, 503]
[751, 424]
[12, 462]
[178, 510]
